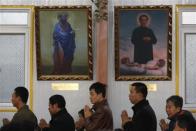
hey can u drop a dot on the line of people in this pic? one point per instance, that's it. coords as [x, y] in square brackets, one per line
[99, 117]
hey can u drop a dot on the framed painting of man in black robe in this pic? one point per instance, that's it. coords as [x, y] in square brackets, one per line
[143, 42]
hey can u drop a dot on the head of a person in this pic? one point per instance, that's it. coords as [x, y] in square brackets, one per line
[185, 122]
[62, 17]
[143, 20]
[97, 92]
[56, 103]
[20, 96]
[181, 127]
[173, 105]
[161, 63]
[138, 92]
[125, 60]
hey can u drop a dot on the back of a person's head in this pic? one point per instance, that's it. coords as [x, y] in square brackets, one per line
[99, 88]
[22, 92]
[141, 88]
[186, 121]
[57, 99]
[176, 100]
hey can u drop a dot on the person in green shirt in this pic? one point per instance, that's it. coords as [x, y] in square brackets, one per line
[23, 115]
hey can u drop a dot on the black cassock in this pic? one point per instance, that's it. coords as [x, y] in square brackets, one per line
[143, 51]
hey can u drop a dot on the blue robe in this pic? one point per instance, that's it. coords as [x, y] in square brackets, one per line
[66, 39]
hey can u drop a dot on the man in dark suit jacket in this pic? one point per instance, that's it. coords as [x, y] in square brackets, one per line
[61, 119]
[144, 118]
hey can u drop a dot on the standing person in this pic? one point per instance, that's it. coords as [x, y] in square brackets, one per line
[174, 106]
[144, 118]
[64, 46]
[61, 119]
[99, 118]
[23, 115]
[143, 38]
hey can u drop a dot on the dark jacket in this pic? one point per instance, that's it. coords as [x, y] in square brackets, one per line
[172, 122]
[143, 51]
[62, 121]
[101, 119]
[144, 118]
[24, 115]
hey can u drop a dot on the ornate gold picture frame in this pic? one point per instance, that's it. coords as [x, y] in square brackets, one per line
[143, 43]
[64, 42]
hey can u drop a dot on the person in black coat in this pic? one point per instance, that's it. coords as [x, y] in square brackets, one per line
[61, 119]
[144, 118]
[143, 39]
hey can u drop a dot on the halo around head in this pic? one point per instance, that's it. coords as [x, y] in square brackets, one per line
[146, 14]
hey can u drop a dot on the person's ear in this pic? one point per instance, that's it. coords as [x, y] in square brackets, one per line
[55, 105]
[140, 95]
[178, 108]
[100, 95]
[18, 98]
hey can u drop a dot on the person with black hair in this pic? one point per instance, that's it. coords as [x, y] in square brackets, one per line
[143, 39]
[61, 119]
[23, 114]
[185, 122]
[144, 118]
[173, 108]
[99, 118]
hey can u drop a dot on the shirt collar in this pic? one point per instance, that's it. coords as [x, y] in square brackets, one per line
[99, 104]
[25, 107]
[140, 104]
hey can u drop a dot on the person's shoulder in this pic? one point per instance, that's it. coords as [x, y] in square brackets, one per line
[148, 108]
[137, 28]
[107, 108]
[150, 29]
[56, 25]
[65, 116]
[28, 113]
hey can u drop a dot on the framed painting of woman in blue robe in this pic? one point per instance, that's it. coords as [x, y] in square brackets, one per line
[64, 42]
[143, 42]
